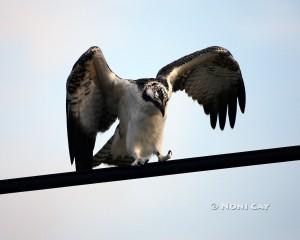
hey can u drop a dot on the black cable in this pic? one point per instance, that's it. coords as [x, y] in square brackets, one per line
[155, 169]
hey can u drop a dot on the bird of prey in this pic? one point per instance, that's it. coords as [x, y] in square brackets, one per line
[97, 97]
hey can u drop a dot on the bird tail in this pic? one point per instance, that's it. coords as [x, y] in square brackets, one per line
[104, 156]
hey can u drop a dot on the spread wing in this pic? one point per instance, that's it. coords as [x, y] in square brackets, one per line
[213, 78]
[93, 93]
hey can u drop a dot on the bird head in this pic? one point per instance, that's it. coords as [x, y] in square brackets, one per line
[157, 94]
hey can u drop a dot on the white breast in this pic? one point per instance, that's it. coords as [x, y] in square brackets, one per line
[142, 124]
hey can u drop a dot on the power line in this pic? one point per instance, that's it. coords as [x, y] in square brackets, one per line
[155, 169]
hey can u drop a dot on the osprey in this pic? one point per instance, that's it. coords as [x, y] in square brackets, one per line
[96, 97]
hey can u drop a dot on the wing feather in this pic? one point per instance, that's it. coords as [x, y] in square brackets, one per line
[93, 93]
[213, 78]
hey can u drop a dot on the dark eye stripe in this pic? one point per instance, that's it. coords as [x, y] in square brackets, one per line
[161, 94]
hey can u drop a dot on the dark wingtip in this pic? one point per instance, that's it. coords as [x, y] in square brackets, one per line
[213, 120]
[206, 109]
[232, 121]
[222, 111]
[232, 111]
[222, 120]
[71, 160]
[242, 97]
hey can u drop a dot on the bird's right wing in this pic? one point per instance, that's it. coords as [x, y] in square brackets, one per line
[93, 94]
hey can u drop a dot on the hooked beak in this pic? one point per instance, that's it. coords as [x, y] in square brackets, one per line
[162, 108]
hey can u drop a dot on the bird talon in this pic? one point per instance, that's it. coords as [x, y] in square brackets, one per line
[164, 158]
[139, 162]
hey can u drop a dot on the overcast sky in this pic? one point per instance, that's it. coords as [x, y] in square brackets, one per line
[40, 42]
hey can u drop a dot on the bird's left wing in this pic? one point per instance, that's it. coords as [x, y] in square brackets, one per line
[213, 78]
[93, 95]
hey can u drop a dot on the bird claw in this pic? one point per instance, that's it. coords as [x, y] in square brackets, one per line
[166, 157]
[139, 162]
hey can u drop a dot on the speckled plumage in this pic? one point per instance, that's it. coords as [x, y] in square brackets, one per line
[96, 97]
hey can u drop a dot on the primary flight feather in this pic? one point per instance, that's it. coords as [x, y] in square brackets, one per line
[96, 97]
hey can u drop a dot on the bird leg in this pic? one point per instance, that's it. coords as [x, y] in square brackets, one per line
[162, 158]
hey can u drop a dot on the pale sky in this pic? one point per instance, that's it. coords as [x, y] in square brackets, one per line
[40, 42]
